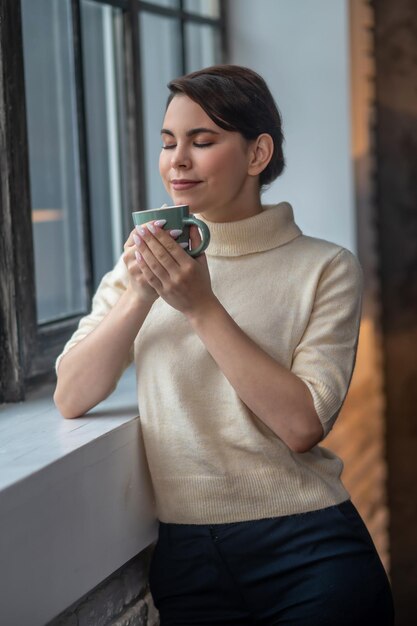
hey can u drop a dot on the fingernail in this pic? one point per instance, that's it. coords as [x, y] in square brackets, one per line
[160, 222]
[138, 255]
[175, 233]
[140, 230]
[137, 240]
[151, 227]
[184, 244]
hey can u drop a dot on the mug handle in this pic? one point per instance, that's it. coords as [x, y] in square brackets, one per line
[191, 220]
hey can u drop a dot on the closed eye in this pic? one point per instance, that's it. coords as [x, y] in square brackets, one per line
[197, 145]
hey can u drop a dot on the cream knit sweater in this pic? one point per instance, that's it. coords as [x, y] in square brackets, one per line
[211, 459]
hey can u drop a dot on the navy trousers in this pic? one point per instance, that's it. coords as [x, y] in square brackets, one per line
[319, 568]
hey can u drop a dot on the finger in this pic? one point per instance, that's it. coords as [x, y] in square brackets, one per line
[129, 252]
[148, 271]
[149, 258]
[168, 252]
[129, 241]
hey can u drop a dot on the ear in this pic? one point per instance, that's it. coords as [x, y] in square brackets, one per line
[260, 154]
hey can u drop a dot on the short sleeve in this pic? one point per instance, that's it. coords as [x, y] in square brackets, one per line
[325, 357]
[111, 287]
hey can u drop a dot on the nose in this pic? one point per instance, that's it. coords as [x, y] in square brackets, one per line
[180, 157]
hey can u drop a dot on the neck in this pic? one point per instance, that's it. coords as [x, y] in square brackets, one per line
[240, 213]
[246, 205]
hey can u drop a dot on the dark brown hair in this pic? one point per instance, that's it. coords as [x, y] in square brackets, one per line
[236, 99]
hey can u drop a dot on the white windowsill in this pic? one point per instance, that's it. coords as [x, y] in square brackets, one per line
[75, 501]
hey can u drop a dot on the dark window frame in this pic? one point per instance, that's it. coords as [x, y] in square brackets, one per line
[28, 350]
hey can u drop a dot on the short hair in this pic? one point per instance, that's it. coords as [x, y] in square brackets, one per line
[237, 99]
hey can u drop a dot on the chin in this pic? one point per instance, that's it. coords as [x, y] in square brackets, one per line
[178, 201]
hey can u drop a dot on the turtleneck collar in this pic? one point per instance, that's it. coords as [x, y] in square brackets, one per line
[271, 228]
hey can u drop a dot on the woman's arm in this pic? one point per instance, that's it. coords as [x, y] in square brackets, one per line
[98, 352]
[300, 405]
[89, 371]
[276, 395]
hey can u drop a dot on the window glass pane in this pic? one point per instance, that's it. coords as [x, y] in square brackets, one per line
[53, 159]
[202, 44]
[208, 8]
[102, 32]
[157, 70]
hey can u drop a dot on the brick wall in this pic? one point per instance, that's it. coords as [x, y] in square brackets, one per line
[122, 599]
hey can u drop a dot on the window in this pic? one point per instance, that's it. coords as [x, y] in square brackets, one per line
[82, 96]
[54, 159]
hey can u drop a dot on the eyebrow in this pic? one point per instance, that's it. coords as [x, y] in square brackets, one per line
[191, 132]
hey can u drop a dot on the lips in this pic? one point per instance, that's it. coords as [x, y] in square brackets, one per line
[183, 183]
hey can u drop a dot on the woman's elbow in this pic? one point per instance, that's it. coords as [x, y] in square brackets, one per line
[72, 405]
[309, 437]
[65, 408]
[68, 403]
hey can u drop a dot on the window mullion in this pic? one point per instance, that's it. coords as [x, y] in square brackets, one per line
[183, 45]
[117, 4]
[17, 281]
[224, 40]
[137, 187]
[82, 144]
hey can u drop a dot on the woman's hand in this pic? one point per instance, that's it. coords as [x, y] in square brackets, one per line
[181, 280]
[137, 282]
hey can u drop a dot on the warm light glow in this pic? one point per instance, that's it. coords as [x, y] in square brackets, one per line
[47, 215]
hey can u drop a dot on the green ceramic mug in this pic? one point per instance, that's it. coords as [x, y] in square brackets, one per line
[177, 217]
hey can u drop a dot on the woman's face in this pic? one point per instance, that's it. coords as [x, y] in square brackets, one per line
[203, 165]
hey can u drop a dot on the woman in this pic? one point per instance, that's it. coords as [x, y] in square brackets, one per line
[244, 356]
